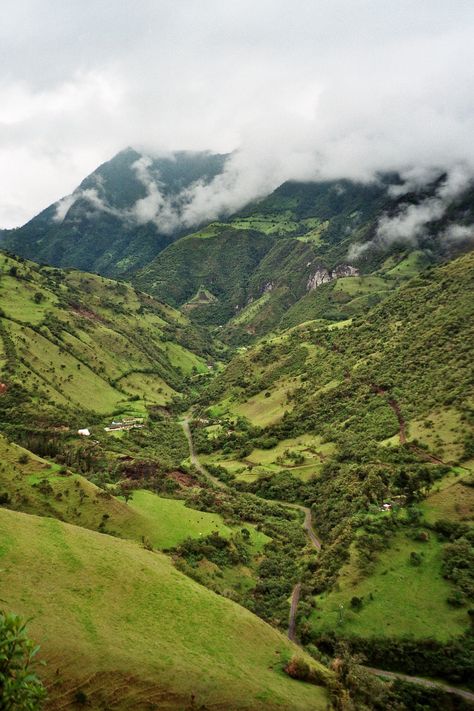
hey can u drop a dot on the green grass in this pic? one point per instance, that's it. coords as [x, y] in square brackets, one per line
[65, 381]
[407, 267]
[407, 600]
[450, 498]
[17, 299]
[249, 312]
[278, 223]
[167, 522]
[442, 432]
[148, 387]
[358, 286]
[184, 359]
[262, 410]
[122, 624]
[262, 462]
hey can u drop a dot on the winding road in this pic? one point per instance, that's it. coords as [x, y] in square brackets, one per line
[194, 459]
[421, 682]
[295, 596]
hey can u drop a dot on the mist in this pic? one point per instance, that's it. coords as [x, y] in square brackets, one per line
[315, 90]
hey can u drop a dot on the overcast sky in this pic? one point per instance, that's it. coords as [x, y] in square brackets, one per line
[306, 88]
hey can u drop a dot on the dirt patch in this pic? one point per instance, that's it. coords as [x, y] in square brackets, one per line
[3, 388]
[183, 479]
[86, 313]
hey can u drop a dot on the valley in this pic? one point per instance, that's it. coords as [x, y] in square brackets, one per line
[238, 472]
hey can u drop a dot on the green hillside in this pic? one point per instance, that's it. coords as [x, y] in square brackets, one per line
[79, 342]
[123, 626]
[287, 260]
[376, 412]
[345, 410]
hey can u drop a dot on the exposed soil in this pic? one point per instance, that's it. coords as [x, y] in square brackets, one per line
[183, 479]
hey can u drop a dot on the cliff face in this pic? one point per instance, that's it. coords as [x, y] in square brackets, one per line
[322, 275]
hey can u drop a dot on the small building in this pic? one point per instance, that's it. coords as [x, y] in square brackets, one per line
[84, 432]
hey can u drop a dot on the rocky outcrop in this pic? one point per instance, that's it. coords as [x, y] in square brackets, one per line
[321, 275]
[345, 270]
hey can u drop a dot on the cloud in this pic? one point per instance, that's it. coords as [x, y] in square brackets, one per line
[317, 90]
[413, 220]
[459, 233]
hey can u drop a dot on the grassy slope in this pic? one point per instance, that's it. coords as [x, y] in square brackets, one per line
[84, 341]
[399, 599]
[72, 498]
[122, 624]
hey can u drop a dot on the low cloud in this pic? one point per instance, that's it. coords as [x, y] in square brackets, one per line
[412, 221]
[335, 90]
[459, 233]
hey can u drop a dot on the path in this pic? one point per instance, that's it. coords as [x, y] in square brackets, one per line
[193, 456]
[469, 695]
[295, 598]
[307, 523]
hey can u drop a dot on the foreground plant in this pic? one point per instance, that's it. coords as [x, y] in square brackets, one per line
[20, 687]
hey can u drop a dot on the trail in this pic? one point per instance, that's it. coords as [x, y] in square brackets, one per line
[316, 543]
[194, 459]
[469, 695]
[307, 523]
[295, 598]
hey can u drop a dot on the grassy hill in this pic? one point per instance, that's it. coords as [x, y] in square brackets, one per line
[123, 626]
[79, 342]
[34, 485]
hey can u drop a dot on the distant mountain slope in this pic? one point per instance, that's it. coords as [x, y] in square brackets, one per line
[73, 341]
[291, 257]
[119, 217]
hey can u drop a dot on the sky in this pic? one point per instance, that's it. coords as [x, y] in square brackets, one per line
[306, 89]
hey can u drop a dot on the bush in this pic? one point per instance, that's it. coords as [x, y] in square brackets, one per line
[20, 688]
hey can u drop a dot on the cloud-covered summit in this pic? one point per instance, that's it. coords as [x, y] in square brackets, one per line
[310, 90]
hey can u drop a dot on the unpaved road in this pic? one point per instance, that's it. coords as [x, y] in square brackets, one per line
[295, 598]
[421, 682]
[194, 459]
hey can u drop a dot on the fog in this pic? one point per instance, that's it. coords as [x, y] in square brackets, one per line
[307, 90]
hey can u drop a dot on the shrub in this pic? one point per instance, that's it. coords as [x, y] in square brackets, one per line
[356, 603]
[20, 688]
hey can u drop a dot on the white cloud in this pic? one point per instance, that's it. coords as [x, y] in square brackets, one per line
[459, 233]
[317, 89]
[412, 221]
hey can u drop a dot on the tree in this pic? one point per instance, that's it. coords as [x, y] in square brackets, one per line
[20, 688]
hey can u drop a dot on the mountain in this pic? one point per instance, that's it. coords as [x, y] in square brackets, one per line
[120, 216]
[293, 256]
[267, 429]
